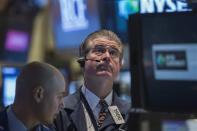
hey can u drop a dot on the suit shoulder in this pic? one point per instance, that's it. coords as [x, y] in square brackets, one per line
[123, 105]
[71, 100]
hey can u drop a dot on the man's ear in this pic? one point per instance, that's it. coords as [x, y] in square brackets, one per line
[38, 93]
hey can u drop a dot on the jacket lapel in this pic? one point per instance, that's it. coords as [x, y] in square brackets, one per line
[77, 116]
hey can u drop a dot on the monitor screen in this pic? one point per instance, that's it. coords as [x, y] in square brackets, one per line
[174, 125]
[72, 21]
[163, 58]
[16, 46]
[9, 75]
[187, 124]
[160, 121]
[16, 41]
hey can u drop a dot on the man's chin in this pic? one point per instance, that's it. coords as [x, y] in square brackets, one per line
[104, 73]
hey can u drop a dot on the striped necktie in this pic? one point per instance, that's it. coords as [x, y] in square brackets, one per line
[103, 112]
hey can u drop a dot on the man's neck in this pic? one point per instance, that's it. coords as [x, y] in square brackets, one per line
[99, 89]
[24, 116]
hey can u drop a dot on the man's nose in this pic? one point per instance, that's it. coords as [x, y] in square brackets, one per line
[107, 53]
[106, 56]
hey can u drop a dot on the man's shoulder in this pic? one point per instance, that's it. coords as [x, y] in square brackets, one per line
[72, 100]
[123, 102]
[123, 105]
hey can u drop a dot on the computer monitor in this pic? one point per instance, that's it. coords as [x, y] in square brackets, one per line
[72, 21]
[9, 75]
[156, 121]
[163, 50]
[16, 46]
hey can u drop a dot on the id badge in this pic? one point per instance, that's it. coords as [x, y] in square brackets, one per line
[116, 115]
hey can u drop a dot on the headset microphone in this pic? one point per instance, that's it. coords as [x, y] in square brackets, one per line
[81, 61]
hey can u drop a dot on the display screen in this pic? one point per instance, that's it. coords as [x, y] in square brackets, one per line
[172, 125]
[179, 125]
[175, 61]
[16, 41]
[9, 75]
[16, 46]
[166, 50]
[73, 20]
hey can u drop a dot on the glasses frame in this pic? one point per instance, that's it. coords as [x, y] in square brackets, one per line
[100, 50]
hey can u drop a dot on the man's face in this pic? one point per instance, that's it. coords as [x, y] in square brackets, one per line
[107, 53]
[53, 100]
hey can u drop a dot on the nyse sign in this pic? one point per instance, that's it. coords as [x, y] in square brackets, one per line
[73, 15]
[159, 6]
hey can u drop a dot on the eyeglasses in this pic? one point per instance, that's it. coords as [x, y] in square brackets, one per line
[100, 50]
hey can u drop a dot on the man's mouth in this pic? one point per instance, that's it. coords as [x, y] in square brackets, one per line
[104, 68]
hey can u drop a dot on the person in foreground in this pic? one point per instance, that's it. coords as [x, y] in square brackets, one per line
[95, 106]
[40, 89]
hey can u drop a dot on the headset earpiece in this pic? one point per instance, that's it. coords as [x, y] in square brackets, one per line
[81, 61]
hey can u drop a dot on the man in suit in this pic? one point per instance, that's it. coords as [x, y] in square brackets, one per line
[95, 106]
[40, 89]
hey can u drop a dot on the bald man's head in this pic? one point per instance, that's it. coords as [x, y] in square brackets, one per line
[41, 87]
[35, 74]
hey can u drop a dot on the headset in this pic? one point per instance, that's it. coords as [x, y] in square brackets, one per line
[82, 58]
[81, 61]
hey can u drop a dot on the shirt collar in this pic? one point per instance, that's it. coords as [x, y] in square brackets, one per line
[13, 122]
[93, 100]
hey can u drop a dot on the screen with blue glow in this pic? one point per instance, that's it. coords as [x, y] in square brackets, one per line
[73, 20]
[9, 75]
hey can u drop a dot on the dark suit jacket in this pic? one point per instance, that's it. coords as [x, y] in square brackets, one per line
[72, 118]
[4, 122]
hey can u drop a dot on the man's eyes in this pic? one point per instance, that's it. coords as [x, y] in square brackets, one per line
[100, 49]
